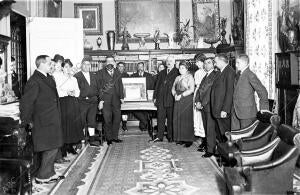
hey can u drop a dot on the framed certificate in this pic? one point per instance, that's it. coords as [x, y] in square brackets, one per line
[135, 89]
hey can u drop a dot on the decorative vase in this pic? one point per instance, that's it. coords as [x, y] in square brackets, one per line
[87, 45]
[110, 36]
[99, 42]
[156, 46]
[292, 39]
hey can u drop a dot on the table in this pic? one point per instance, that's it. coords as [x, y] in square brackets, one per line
[145, 106]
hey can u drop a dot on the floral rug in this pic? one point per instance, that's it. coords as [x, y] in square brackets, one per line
[138, 167]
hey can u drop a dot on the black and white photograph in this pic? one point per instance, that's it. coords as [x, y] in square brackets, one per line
[149, 97]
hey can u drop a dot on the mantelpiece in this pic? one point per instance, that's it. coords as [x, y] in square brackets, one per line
[150, 57]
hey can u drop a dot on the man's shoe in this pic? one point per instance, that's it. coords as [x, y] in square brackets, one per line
[188, 144]
[207, 155]
[201, 149]
[157, 140]
[62, 161]
[117, 140]
[52, 179]
[124, 127]
[95, 143]
[72, 151]
[109, 142]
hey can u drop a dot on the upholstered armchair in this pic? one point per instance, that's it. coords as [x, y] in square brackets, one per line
[257, 135]
[267, 170]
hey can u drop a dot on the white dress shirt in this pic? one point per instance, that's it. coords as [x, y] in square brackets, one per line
[87, 77]
[65, 83]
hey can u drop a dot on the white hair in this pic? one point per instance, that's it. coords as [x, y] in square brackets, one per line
[171, 58]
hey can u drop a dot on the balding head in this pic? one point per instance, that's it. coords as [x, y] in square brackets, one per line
[170, 62]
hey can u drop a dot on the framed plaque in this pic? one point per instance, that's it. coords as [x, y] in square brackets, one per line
[135, 89]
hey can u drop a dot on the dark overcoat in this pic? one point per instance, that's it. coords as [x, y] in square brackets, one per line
[163, 88]
[40, 105]
[222, 92]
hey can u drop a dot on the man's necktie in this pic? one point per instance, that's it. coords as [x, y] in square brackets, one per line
[168, 71]
[238, 74]
[205, 77]
[111, 73]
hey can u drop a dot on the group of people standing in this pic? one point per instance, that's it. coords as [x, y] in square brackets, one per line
[61, 105]
[214, 100]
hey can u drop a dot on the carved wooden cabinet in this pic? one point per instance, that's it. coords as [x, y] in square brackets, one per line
[288, 83]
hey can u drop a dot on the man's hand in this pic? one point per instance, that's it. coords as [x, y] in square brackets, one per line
[122, 101]
[177, 97]
[30, 125]
[198, 105]
[154, 101]
[223, 114]
[100, 105]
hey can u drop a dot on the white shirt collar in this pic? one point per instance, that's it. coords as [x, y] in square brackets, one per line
[42, 72]
[208, 73]
[244, 69]
[223, 68]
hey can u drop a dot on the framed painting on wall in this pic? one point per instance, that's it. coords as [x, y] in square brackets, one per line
[146, 16]
[91, 13]
[206, 18]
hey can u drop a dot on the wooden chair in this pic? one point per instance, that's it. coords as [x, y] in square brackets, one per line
[267, 170]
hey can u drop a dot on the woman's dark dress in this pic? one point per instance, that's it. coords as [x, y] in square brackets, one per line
[183, 124]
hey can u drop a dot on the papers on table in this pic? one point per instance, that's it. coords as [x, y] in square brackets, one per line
[10, 110]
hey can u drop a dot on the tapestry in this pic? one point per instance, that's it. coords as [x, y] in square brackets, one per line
[259, 42]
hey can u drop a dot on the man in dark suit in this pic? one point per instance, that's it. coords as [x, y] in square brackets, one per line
[202, 101]
[164, 99]
[221, 96]
[40, 110]
[111, 97]
[124, 74]
[244, 106]
[89, 87]
[143, 116]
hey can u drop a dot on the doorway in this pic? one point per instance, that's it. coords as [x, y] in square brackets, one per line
[18, 47]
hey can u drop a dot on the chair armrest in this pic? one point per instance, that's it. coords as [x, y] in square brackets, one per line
[258, 141]
[234, 179]
[249, 157]
[292, 153]
[245, 132]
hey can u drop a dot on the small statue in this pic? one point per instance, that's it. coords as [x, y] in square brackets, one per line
[184, 35]
[170, 37]
[125, 34]
[223, 32]
[156, 38]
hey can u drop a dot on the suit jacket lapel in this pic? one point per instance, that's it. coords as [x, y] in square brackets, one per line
[51, 84]
[82, 77]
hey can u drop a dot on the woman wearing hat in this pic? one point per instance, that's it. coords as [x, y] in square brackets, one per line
[182, 90]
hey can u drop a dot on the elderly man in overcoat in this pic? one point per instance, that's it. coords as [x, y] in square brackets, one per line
[40, 110]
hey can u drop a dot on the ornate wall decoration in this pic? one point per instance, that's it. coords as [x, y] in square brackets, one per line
[259, 45]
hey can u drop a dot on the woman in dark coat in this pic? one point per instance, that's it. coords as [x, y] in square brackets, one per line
[183, 89]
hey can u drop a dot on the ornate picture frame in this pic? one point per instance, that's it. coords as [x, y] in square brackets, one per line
[136, 16]
[91, 13]
[135, 89]
[206, 18]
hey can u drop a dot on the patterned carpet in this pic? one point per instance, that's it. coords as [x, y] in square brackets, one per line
[137, 167]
